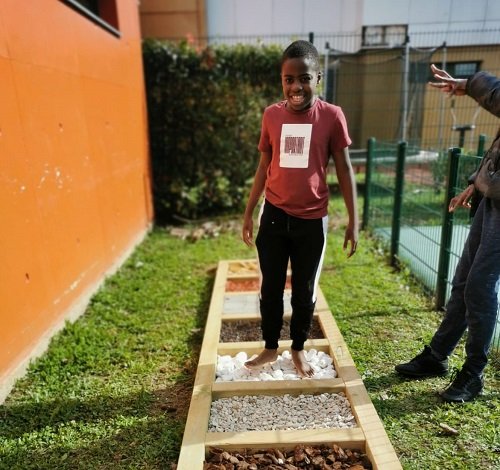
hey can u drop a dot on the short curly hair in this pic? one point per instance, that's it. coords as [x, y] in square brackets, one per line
[302, 49]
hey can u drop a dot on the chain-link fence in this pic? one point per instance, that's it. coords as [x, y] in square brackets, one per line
[382, 89]
[380, 83]
[405, 206]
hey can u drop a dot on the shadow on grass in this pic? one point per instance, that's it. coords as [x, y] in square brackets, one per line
[202, 309]
[19, 419]
[151, 443]
[416, 401]
[137, 430]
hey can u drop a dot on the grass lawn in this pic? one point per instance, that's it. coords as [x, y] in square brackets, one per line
[113, 389]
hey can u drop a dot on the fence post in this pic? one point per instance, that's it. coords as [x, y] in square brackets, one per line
[370, 155]
[480, 144]
[398, 201]
[447, 230]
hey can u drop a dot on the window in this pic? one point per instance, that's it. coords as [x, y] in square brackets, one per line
[102, 12]
[385, 35]
[463, 69]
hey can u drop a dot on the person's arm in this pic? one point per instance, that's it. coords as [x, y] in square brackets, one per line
[446, 83]
[347, 184]
[258, 186]
[482, 87]
[485, 89]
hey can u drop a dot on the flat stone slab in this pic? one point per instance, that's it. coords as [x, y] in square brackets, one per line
[248, 304]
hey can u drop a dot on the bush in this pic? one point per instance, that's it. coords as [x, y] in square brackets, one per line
[204, 110]
[467, 165]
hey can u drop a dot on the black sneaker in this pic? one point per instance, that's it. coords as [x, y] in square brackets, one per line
[424, 364]
[465, 386]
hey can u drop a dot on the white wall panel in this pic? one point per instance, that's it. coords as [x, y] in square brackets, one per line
[466, 12]
[288, 16]
[430, 12]
[323, 15]
[299, 17]
[254, 17]
[492, 10]
[220, 18]
[380, 12]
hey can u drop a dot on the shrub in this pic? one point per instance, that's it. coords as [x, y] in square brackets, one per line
[204, 109]
[467, 165]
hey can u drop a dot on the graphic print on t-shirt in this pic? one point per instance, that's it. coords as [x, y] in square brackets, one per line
[294, 145]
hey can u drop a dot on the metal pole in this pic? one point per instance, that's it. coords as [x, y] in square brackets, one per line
[480, 145]
[406, 76]
[325, 77]
[398, 201]
[442, 103]
[447, 230]
[370, 155]
[336, 63]
[461, 138]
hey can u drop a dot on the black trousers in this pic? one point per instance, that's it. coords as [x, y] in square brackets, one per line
[473, 303]
[283, 238]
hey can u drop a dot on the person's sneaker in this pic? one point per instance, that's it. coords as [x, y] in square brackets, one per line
[465, 386]
[424, 364]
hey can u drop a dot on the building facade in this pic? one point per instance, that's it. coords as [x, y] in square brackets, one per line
[163, 19]
[377, 55]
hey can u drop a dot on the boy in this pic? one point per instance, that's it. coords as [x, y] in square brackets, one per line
[298, 136]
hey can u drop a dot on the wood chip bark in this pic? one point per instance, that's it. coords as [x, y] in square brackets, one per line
[321, 457]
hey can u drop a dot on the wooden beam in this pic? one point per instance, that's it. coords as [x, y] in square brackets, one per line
[350, 438]
[278, 387]
[369, 436]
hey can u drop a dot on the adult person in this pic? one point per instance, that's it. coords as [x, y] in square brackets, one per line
[473, 302]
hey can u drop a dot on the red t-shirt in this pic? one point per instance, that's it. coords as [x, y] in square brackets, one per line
[301, 144]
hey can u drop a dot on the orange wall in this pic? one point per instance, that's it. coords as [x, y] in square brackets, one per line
[74, 171]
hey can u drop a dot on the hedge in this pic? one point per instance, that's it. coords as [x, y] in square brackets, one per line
[204, 110]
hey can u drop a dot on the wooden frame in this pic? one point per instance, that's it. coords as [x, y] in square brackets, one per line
[369, 435]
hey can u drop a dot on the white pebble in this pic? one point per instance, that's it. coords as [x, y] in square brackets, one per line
[241, 357]
[233, 369]
[278, 374]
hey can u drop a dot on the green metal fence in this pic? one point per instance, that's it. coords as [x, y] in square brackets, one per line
[406, 207]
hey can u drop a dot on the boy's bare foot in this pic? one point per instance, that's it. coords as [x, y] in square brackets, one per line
[301, 364]
[266, 356]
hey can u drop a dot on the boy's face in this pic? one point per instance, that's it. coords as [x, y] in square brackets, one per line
[299, 80]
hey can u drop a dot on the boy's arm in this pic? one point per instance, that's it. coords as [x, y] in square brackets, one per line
[347, 185]
[259, 183]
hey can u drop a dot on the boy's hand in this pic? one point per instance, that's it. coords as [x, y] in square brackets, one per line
[247, 232]
[351, 237]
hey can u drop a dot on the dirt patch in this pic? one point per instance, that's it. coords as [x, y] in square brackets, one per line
[244, 285]
[173, 399]
[248, 330]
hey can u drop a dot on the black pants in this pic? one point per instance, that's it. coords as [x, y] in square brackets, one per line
[473, 303]
[284, 238]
